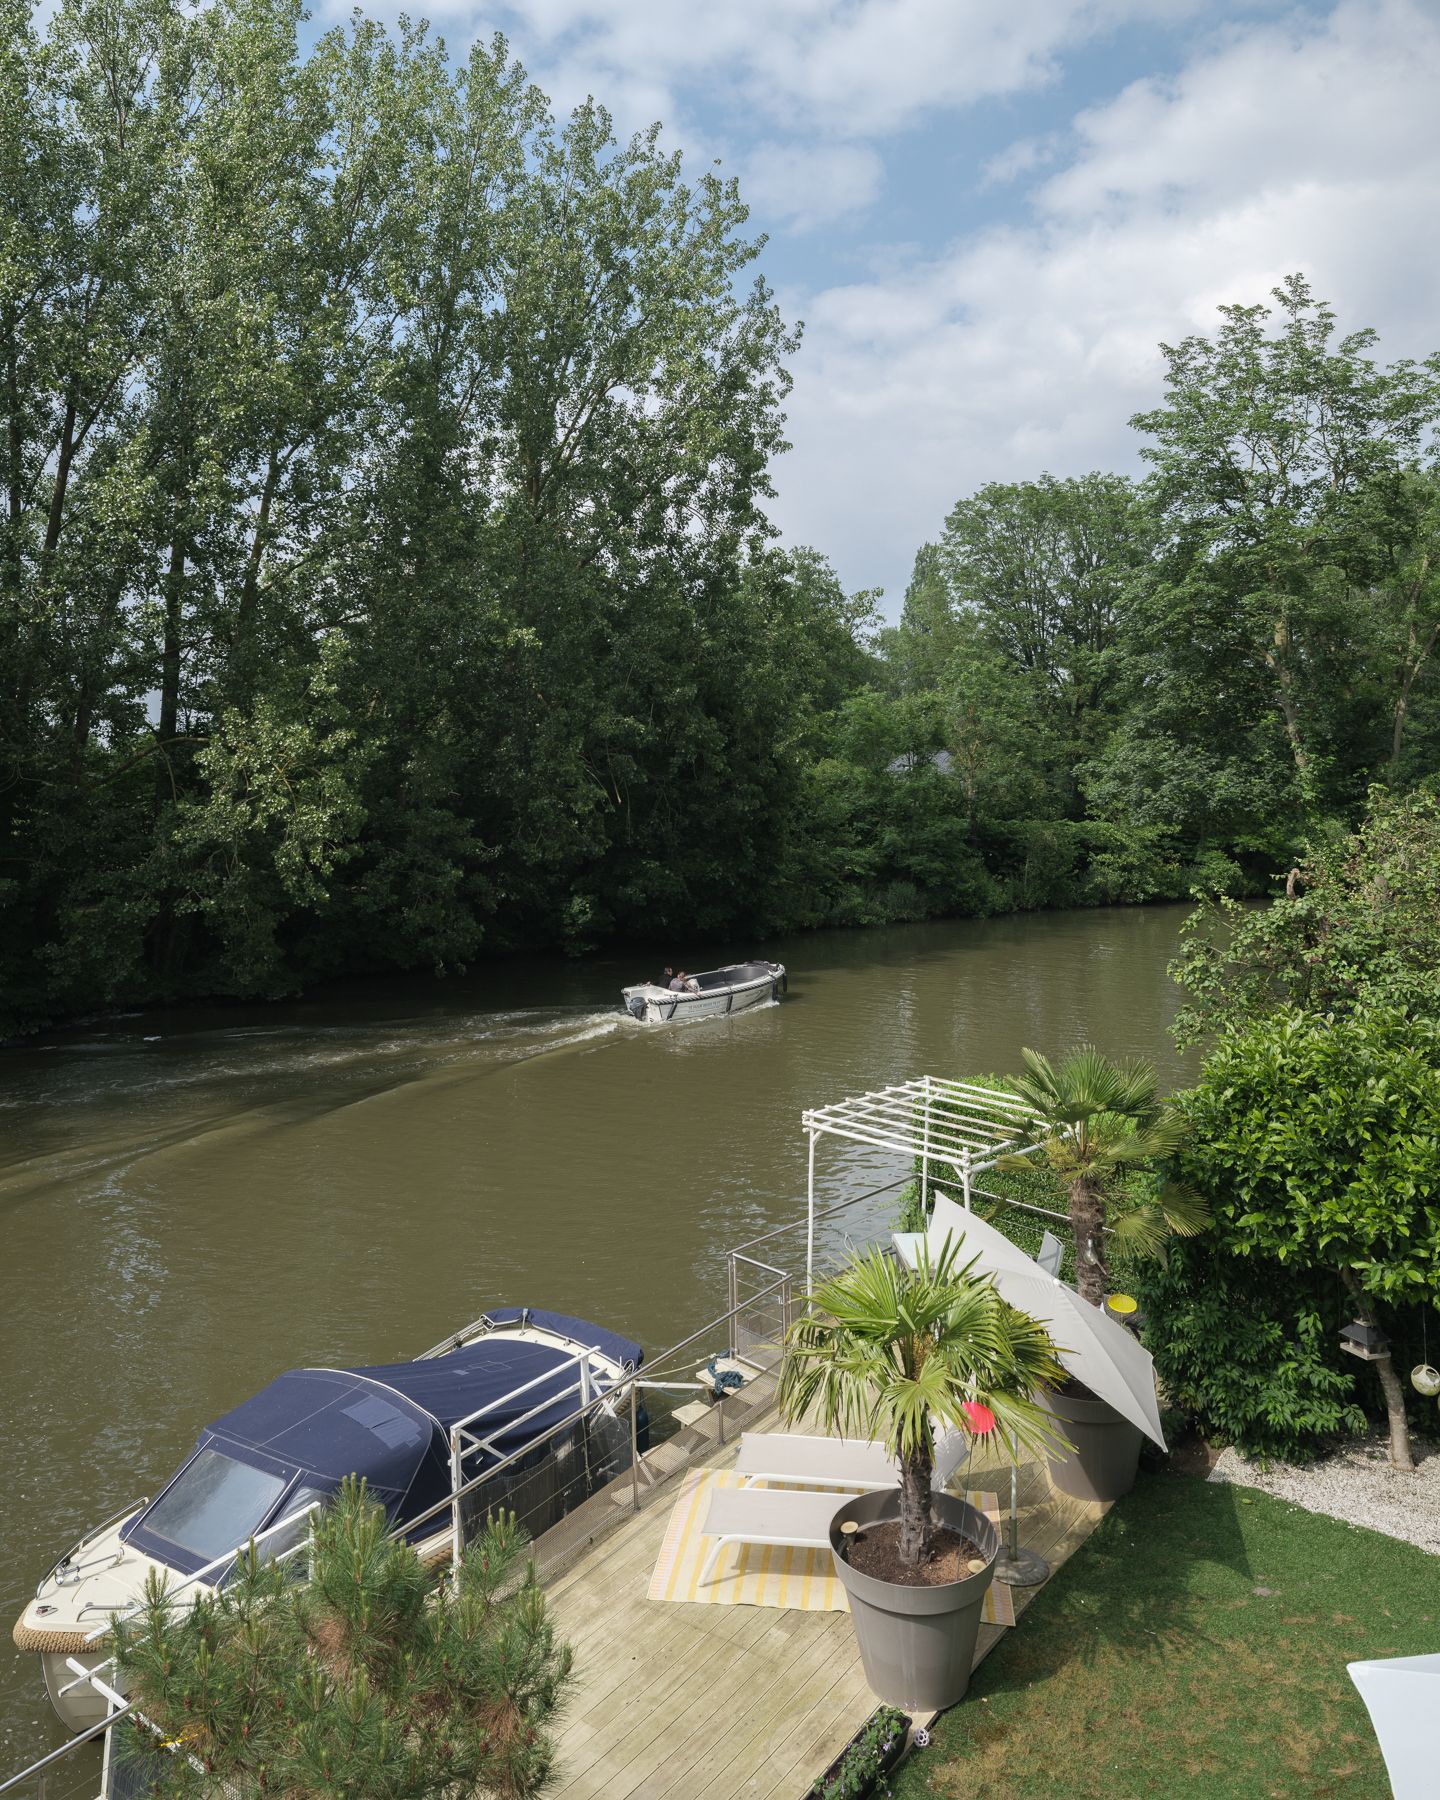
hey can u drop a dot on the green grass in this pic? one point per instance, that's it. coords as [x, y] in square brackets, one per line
[1195, 1648]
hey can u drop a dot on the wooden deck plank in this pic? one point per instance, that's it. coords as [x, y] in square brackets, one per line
[673, 1701]
[798, 1745]
[710, 1740]
[656, 1694]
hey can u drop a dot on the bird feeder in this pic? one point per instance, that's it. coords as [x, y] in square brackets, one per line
[1425, 1379]
[1125, 1310]
[1366, 1341]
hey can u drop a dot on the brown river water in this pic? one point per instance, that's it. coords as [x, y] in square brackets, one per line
[192, 1201]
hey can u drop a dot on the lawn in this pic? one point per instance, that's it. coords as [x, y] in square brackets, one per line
[1195, 1648]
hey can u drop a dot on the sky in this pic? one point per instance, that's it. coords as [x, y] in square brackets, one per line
[989, 214]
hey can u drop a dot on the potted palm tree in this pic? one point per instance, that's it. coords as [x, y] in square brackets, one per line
[894, 1355]
[1098, 1122]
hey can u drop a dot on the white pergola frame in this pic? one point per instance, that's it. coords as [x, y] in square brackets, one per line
[966, 1127]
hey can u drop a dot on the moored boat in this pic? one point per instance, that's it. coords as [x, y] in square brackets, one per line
[716, 991]
[502, 1391]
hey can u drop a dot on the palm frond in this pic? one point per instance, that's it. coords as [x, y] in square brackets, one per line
[889, 1353]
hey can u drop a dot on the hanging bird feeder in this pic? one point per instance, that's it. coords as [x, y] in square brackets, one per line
[1126, 1309]
[1425, 1379]
[1366, 1341]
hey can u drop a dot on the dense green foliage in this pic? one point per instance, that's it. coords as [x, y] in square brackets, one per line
[1249, 1349]
[368, 1678]
[385, 574]
[1192, 1648]
[1314, 1134]
[1149, 687]
[1360, 929]
[1318, 1140]
[382, 562]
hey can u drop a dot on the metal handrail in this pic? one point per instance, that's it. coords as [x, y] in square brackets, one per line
[580, 1357]
[210, 1568]
[615, 1394]
[54, 1756]
[122, 1613]
[828, 1212]
[121, 1512]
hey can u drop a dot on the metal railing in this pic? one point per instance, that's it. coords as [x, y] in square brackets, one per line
[94, 1677]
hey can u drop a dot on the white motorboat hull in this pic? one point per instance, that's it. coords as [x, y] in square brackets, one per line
[654, 1005]
[82, 1706]
[104, 1575]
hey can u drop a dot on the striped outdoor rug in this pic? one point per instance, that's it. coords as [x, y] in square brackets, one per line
[766, 1574]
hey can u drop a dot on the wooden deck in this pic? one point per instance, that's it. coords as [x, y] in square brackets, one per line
[700, 1702]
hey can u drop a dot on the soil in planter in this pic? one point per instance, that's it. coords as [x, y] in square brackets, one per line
[1074, 1389]
[876, 1551]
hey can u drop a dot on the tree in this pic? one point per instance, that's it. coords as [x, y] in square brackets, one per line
[1042, 566]
[365, 1678]
[1098, 1122]
[1357, 925]
[1317, 1141]
[917, 650]
[889, 1353]
[1280, 465]
[383, 561]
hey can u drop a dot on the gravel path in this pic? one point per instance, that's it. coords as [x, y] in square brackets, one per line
[1356, 1483]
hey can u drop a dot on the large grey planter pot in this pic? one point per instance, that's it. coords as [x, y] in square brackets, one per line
[1107, 1448]
[917, 1643]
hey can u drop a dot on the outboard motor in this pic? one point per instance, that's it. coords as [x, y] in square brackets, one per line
[636, 1006]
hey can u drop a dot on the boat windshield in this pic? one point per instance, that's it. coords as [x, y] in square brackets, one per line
[214, 1504]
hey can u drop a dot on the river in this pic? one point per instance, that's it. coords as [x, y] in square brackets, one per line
[192, 1201]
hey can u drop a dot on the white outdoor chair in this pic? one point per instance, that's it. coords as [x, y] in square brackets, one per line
[749, 1515]
[858, 1465]
[853, 1464]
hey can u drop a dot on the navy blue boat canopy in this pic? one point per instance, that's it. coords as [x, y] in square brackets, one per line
[297, 1439]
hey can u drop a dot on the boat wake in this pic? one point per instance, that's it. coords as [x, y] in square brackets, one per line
[148, 1097]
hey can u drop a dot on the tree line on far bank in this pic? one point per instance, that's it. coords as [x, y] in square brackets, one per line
[385, 575]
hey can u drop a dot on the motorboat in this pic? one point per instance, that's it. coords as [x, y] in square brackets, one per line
[727, 990]
[501, 1394]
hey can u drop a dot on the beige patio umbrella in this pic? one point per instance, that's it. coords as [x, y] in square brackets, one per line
[1095, 1348]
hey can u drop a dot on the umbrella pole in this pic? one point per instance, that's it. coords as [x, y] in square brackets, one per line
[1019, 1567]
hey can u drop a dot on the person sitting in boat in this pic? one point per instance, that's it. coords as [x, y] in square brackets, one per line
[681, 983]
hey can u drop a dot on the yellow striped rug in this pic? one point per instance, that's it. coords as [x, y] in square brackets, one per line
[767, 1574]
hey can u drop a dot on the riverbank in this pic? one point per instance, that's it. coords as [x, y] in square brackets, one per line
[508, 974]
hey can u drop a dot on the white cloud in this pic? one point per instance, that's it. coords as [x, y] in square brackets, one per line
[853, 68]
[807, 185]
[1020, 158]
[1295, 146]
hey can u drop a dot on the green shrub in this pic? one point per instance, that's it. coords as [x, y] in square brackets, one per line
[866, 1758]
[1249, 1348]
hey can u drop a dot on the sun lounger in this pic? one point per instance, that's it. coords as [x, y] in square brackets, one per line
[858, 1465]
[750, 1515]
[853, 1464]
